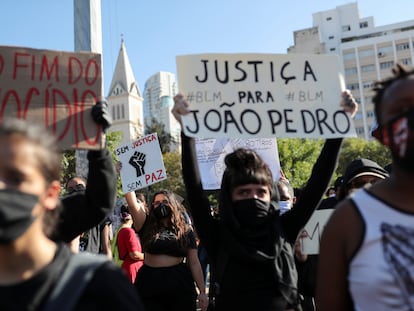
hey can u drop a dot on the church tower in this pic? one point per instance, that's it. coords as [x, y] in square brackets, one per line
[125, 100]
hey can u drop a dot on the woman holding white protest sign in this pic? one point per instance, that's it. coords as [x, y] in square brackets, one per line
[171, 264]
[249, 246]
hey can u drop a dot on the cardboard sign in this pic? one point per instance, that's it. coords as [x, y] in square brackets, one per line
[141, 163]
[263, 95]
[56, 89]
[211, 154]
[314, 229]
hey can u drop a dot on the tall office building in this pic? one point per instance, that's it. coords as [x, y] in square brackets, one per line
[125, 100]
[366, 51]
[159, 92]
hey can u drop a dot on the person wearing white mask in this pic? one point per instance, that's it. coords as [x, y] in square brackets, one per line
[287, 196]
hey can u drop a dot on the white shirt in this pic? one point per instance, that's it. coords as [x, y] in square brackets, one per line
[381, 275]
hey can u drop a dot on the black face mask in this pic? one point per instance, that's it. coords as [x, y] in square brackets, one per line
[15, 214]
[251, 212]
[162, 211]
[77, 188]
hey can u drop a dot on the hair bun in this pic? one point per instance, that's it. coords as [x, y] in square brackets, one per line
[241, 158]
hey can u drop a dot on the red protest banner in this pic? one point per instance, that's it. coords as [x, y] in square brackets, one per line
[54, 88]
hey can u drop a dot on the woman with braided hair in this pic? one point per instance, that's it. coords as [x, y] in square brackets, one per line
[366, 257]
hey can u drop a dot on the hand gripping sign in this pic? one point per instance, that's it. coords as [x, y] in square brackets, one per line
[141, 163]
[263, 95]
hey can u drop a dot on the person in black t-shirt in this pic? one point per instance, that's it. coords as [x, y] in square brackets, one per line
[96, 239]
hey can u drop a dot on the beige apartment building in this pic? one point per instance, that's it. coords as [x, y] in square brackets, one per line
[367, 52]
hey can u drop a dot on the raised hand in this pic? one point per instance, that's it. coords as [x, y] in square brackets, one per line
[137, 160]
[349, 103]
[181, 107]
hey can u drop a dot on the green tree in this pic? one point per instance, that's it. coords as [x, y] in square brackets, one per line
[297, 157]
[69, 158]
[354, 148]
[68, 165]
[164, 137]
[112, 142]
[174, 181]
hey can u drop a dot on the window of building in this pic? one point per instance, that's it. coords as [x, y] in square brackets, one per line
[353, 86]
[117, 112]
[384, 51]
[117, 90]
[122, 111]
[366, 53]
[331, 37]
[406, 61]
[368, 84]
[113, 112]
[368, 68]
[329, 18]
[351, 71]
[359, 130]
[386, 65]
[348, 56]
[332, 49]
[346, 28]
[370, 114]
[358, 116]
[363, 24]
[402, 46]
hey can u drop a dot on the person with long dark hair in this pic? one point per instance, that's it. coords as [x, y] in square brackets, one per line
[171, 264]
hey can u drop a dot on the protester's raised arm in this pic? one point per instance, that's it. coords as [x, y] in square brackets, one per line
[137, 210]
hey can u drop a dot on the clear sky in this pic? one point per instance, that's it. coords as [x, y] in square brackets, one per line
[156, 31]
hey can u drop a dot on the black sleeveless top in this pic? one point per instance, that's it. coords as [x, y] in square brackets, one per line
[166, 242]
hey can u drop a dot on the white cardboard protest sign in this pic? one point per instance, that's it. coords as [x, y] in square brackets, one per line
[141, 163]
[314, 229]
[211, 153]
[55, 89]
[263, 95]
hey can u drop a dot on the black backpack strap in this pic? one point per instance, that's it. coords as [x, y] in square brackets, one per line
[79, 270]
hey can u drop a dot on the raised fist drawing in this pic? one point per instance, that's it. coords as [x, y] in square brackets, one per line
[138, 162]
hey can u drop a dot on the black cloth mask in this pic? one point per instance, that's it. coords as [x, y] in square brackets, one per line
[251, 229]
[15, 214]
[251, 212]
[162, 211]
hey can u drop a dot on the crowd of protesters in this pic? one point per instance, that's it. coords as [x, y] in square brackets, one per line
[54, 249]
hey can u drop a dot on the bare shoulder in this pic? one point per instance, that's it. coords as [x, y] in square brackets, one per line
[339, 242]
[345, 227]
